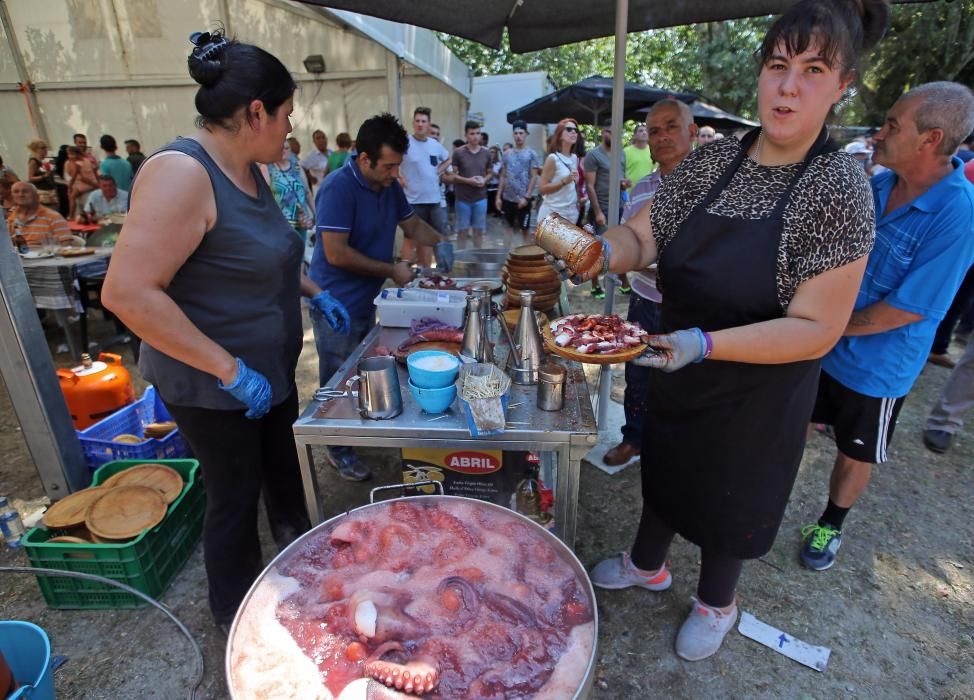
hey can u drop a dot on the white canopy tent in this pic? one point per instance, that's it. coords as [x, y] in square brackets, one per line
[119, 67]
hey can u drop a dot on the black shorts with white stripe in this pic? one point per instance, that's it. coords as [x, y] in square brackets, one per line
[863, 424]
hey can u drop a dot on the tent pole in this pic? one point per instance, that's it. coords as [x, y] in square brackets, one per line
[26, 85]
[612, 216]
[28, 372]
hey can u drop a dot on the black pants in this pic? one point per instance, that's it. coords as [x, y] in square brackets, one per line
[240, 459]
[963, 302]
[517, 217]
[648, 314]
[718, 572]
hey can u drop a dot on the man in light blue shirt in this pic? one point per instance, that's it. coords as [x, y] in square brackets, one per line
[106, 200]
[924, 246]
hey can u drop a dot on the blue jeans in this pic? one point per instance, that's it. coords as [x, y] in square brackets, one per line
[334, 348]
[472, 215]
[649, 315]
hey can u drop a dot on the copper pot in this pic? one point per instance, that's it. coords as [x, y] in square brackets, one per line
[578, 248]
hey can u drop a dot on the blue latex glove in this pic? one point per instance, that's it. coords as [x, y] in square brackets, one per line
[576, 276]
[444, 256]
[672, 351]
[333, 311]
[250, 387]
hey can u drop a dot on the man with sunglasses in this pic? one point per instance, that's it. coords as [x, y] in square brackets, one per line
[520, 167]
[422, 165]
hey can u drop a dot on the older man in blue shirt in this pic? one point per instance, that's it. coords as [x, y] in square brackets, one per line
[924, 246]
[359, 207]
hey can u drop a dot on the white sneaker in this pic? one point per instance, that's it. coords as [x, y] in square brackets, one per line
[619, 572]
[703, 631]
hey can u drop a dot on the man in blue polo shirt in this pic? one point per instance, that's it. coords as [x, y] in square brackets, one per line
[924, 246]
[359, 207]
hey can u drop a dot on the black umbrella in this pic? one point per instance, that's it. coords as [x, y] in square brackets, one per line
[589, 101]
[707, 114]
[541, 24]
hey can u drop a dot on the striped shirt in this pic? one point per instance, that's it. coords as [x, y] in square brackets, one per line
[44, 226]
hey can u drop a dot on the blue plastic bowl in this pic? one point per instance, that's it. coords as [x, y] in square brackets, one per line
[433, 400]
[433, 379]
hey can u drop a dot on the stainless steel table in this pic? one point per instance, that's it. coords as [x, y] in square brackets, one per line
[562, 437]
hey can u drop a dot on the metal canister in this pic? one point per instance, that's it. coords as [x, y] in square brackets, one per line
[578, 248]
[551, 387]
[11, 528]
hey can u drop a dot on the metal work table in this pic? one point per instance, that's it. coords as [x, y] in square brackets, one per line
[561, 437]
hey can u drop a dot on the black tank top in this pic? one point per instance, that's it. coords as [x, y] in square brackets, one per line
[240, 287]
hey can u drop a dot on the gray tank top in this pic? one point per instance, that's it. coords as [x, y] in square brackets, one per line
[240, 287]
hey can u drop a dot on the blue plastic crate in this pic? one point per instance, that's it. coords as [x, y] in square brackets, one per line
[132, 419]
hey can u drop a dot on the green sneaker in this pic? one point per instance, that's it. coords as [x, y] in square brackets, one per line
[598, 292]
[820, 544]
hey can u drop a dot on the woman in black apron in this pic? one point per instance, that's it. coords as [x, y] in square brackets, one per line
[761, 248]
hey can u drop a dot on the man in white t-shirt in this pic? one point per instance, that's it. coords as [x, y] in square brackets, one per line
[422, 164]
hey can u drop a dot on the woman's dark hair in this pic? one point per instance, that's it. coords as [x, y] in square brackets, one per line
[844, 29]
[378, 131]
[231, 76]
[61, 159]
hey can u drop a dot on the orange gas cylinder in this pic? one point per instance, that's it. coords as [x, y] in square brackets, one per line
[96, 389]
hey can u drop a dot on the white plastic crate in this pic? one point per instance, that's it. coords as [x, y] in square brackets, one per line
[397, 308]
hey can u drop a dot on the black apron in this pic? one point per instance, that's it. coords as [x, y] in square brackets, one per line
[722, 441]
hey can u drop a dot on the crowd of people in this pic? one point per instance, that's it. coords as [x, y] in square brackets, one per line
[786, 282]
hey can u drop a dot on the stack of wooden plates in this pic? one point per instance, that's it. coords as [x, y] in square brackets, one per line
[126, 504]
[526, 269]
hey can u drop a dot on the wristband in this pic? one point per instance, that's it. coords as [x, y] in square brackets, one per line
[706, 344]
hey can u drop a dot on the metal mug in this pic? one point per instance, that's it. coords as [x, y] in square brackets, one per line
[379, 397]
[551, 387]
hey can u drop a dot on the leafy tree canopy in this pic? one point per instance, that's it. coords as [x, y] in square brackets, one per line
[926, 42]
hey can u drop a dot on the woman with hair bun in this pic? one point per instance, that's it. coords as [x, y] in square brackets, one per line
[207, 273]
[761, 245]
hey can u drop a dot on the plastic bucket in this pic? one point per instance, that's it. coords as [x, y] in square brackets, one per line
[28, 653]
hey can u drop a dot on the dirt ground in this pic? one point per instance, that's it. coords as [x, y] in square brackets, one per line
[897, 610]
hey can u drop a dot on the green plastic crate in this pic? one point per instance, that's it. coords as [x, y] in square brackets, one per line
[147, 563]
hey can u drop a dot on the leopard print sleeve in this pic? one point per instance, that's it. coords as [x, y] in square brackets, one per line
[829, 223]
[684, 188]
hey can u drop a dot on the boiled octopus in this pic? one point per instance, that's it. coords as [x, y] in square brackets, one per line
[441, 600]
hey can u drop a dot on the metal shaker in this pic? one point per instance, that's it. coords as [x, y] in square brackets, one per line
[527, 352]
[475, 344]
[551, 387]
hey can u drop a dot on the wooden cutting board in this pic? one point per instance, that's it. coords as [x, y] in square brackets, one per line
[125, 511]
[163, 479]
[442, 345]
[70, 510]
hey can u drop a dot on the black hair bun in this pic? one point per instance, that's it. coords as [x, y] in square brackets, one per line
[205, 64]
[875, 21]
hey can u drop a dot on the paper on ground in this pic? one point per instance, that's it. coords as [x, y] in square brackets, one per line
[610, 433]
[796, 649]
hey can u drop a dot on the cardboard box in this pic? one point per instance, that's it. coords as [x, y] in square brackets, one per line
[479, 474]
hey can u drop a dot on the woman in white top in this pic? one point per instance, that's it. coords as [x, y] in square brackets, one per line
[560, 173]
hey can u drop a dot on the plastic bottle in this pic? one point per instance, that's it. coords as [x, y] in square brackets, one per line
[11, 526]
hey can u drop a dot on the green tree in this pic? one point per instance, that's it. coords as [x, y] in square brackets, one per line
[925, 42]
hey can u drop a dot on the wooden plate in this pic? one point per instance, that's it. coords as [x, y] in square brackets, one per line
[159, 430]
[74, 253]
[592, 359]
[163, 479]
[104, 540]
[70, 510]
[511, 317]
[68, 539]
[443, 345]
[540, 290]
[128, 439]
[125, 511]
[534, 276]
[553, 294]
[516, 264]
[528, 252]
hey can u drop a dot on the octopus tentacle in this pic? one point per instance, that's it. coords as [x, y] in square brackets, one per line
[416, 677]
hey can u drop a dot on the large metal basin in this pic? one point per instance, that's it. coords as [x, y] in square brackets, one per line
[560, 548]
[479, 262]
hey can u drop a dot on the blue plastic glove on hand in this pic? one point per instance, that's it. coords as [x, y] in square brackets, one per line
[672, 351]
[579, 276]
[444, 256]
[250, 387]
[333, 311]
